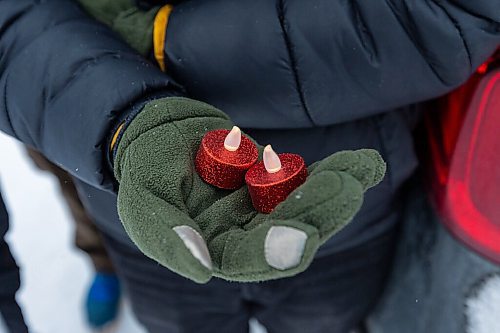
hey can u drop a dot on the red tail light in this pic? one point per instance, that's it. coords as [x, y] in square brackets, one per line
[464, 144]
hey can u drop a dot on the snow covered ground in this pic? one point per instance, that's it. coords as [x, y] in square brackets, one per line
[54, 274]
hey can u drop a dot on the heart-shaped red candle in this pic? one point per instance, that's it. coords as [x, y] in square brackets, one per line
[271, 181]
[224, 157]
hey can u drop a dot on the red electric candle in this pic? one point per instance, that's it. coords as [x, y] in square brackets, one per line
[224, 157]
[272, 180]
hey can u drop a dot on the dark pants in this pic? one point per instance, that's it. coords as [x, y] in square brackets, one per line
[10, 313]
[334, 295]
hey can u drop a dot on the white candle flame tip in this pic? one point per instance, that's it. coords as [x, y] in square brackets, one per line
[233, 139]
[272, 161]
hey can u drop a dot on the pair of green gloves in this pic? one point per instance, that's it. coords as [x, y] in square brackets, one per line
[198, 230]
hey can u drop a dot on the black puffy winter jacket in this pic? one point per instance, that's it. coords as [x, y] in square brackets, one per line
[312, 77]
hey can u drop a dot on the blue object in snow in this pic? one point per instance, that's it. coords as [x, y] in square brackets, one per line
[103, 299]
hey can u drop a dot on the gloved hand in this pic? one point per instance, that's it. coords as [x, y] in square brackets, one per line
[134, 25]
[200, 231]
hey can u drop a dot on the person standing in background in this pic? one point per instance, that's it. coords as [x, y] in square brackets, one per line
[103, 297]
[11, 317]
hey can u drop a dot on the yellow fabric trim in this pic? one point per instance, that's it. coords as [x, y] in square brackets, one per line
[160, 33]
[115, 136]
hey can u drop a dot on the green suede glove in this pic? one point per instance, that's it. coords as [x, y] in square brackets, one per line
[200, 231]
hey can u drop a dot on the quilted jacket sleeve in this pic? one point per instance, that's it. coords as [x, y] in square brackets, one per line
[65, 79]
